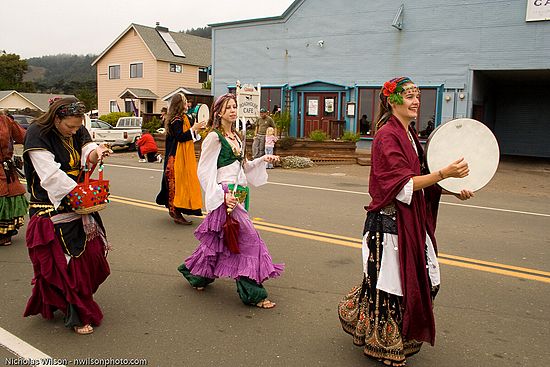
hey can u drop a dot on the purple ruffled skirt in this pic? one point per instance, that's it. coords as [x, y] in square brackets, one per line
[212, 259]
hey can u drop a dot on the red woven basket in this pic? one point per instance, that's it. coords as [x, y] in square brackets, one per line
[91, 195]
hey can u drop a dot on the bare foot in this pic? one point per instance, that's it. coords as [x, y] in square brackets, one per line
[83, 330]
[266, 304]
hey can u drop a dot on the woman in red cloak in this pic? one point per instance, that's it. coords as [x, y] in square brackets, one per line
[391, 312]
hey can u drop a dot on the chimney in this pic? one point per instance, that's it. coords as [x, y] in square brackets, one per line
[161, 28]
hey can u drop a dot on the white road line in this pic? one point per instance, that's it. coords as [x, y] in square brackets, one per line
[24, 352]
[367, 194]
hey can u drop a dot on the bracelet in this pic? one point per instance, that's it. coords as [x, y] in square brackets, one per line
[441, 175]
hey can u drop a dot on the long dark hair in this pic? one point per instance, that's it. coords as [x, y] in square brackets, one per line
[177, 107]
[383, 115]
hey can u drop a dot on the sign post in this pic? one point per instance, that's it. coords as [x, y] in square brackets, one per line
[248, 107]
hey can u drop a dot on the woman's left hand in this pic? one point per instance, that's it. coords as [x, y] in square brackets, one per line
[103, 150]
[270, 158]
[465, 195]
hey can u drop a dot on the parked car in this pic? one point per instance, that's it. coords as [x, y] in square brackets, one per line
[23, 120]
[124, 134]
[96, 124]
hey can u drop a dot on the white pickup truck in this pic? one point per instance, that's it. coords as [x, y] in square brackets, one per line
[124, 134]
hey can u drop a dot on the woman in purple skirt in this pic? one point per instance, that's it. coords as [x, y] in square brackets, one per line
[221, 166]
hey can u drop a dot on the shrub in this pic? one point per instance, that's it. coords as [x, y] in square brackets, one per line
[318, 135]
[113, 117]
[286, 142]
[152, 125]
[351, 136]
[282, 121]
[296, 162]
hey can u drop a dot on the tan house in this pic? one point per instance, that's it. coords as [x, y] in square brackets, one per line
[144, 65]
[28, 103]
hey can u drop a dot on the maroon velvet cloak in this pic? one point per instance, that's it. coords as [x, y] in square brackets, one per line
[394, 163]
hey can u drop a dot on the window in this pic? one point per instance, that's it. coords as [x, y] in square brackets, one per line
[203, 75]
[175, 68]
[369, 104]
[113, 106]
[136, 70]
[271, 99]
[148, 106]
[114, 72]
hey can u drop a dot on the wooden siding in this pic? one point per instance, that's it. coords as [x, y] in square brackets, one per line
[168, 82]
[156, 74]
[129, 49]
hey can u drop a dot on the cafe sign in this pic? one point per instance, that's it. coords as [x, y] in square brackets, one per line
[537, 10]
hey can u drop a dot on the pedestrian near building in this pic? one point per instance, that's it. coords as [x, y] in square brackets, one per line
[270, 140]
[13, 203]
[68, 250]
[258, 145]
[391, 313]
[221, 166]
[180, 189]
[147, 149]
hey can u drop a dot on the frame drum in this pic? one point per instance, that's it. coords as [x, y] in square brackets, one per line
[200, 112]
[466, 138]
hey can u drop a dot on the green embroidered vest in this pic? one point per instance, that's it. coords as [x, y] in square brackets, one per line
[227, 156]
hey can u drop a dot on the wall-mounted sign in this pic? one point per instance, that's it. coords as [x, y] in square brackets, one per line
[537, 10]
[329, 105]
[313, 107]
[350, 109]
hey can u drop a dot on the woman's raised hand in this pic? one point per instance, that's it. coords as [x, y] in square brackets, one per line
[457, 169]
[198, 126]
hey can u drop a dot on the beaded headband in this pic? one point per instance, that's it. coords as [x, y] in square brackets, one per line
[73, 109]
[393, 90]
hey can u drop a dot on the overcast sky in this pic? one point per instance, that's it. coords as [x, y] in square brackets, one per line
[32, 28]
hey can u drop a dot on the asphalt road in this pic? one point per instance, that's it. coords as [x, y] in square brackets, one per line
[492, 310]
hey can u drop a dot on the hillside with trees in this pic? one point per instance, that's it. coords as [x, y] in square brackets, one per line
[204, 32]
[64, 74]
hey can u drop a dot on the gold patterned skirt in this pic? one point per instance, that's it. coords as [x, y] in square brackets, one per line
[374, 317]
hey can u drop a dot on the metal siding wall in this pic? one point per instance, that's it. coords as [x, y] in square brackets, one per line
[360, 46]
[441, 42]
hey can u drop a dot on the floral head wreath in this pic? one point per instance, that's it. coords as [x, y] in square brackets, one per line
[72, 109]
[53, 99]
[393, 90]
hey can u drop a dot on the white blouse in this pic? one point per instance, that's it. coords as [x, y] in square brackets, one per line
[211, 177]
[389, 276]
[52, 179]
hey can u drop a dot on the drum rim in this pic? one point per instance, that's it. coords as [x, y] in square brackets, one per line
[449, 124]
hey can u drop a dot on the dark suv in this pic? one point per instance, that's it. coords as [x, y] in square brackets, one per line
[23, 120]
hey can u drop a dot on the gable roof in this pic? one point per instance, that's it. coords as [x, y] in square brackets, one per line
[291, 9]
[189, 92]
[197, 50]
[138, 93]
[39, 100]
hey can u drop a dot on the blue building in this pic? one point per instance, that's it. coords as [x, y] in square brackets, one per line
[325, 62]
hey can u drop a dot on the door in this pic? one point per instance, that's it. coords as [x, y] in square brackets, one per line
[319, 110]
